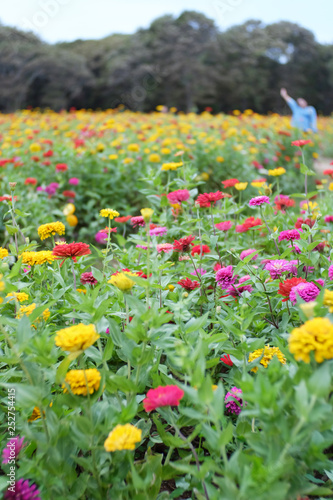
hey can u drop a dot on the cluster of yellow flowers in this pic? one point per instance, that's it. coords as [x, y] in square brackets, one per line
[316, 335]
[20, 296]
[27, 310]
[328, 300]
[76, 338]
[276, 172]
[33, 258]
[123, 437]
[109, 212]
[267, 353]
[50, 229]
[172, 165]
[82, 381]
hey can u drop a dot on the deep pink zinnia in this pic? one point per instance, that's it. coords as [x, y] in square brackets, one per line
[306, 291]
[230, 399]
[158, 231]
[88, 279]
[224, 226]
[246, 253]
[330, 272]
[170, 395]
[224, 277]
[74, 181]
[178, 196]
[328, 218]
[12, 449]
[137, 221]
[22, 491]
[258, 201]
[289, 235]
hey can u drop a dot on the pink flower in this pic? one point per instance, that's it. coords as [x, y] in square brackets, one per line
[224, 277]
[277, 267]
[137, 221]
[101, 237]
[158, 231]
[170, 395]
[301, 142]
[329, 218]
[88, 279]
[258, 201]
[164, 247]
[230, 399]
[246, 253]
[306, 291]
[330, 272]
[74, 181]
[244, 278]
[178, 196]
[12, 449]
[199, 271]
[21, 490]
[289, 235]
[224, 226]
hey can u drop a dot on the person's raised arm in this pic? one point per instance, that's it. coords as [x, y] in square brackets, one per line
[289, 100]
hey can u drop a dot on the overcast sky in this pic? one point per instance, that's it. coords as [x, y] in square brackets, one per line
[67, 20]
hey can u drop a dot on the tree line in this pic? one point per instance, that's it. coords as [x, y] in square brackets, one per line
[184, 62]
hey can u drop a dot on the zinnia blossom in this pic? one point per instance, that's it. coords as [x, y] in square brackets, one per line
[188, 284]
[138, 221]
[286, 287]
[3, 253]
[82, 381]
[88, 279]
[184, 244]
[301, 142]
[277, 267]
[123, 437]
[122, 281]
[316, 335]
[268, 353]
[306, 291]
[74, 181]
[226, 360]
[158, 231]
[178, 196]
[12, 449]
[224, 277]
[122, 219]
[206, 199]
[71, 250]
[76, 338]
[224, 226]
[330, 272]
[230, 183]
[22, 491]
[108, 212]
[170, 395]
[249, 251]
[328, 218]
[200, 249]
[50, 229]
[230, 399]
[30, 180]
[164, 247]
[289, 235]
[258, 201]
[61, 167]
[249, 223]
[307, 221]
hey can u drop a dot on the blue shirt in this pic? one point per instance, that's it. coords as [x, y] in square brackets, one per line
[303, 118]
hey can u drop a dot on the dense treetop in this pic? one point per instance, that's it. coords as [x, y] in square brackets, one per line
[186, 62]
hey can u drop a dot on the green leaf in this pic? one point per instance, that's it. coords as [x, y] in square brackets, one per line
[196, 323]
[305, 170]
[62, 370]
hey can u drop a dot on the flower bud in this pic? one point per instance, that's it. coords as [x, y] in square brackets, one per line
[12, 186]
[218, 309]
[308, 308]
[147, 214]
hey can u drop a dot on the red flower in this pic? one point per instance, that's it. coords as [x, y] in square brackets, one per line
[229, 183]
[226, 360]
[200, 249]
[188, 284]
[184, 244]
[71, 250]
[300, 221]
[30, 180]
[328, 171]
[48, 153]
[248, 224]
[69, 194]
[170, 395]
[61, 167]
[47, 163]
[286, 286]
[206, 199]
[301, 143]
[35, 158]
[284, 132]
[123, 219]
[7, 198]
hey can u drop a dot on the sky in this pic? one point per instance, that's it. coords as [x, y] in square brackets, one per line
[68, 20]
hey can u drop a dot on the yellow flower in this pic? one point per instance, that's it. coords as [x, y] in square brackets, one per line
[27, 310]
[330, 187]
[113, 157]
[277, 171]
[69, 209]
[315, 155]
[154, 158]
[147, 213]
[240, 186]
[172, 165]
[50, 229]
[2, 284]
[32, 258]
[257, 184]
[315, 335]
[328, 300]
[72, 220]
[220, 159]
[170, 287]
[109, 212]
[165, 151]
[127, 161]
[81, 290]
[122, 281]
[34, 147]
[20, 296]
[133, 147]
[100, 147]
[3, 253]
[123, 437]
[36, 414]
[82, 381]
[268, 352]
[76, 338]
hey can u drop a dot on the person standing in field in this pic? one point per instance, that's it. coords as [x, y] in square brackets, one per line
[304, 116]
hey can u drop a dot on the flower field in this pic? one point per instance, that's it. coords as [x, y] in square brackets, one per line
[166, 297]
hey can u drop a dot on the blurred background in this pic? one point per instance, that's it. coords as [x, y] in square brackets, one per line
[192, 55]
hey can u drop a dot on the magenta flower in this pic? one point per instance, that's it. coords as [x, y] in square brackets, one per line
[101, 237]
[169, 395]
[88, 279]
[137, 221]
[12, 449]
[246, 253]
[74, 181]
[199, 271]
[306, 291]
[230, 399]
[329, 218]
[277, 267]
[224, 277]
[158, 231]
[178, 196]
[164, 247]
[258, 201]
[22, 491]
[330, 272]
[224, 226]
[295, 248]
[244, 278]
[289, 235]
